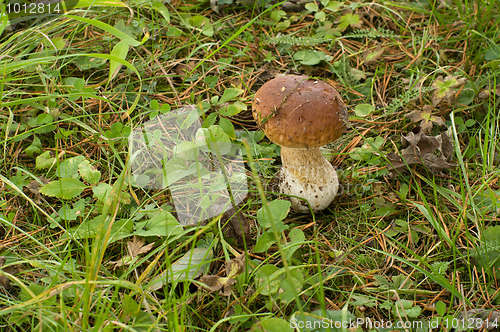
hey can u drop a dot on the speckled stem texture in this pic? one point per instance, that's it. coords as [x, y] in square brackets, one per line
[308, 175]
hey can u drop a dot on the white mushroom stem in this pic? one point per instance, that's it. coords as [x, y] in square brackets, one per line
[308, 175]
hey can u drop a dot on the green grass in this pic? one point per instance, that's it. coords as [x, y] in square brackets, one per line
[93, 251]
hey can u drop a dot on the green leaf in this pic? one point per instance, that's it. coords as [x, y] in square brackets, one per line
[272, 325]
[492, 53]
[320, 16]
[277, 14]
[44, 160]
[64, 188]
[311, 7]
[228, 127]
[309, 57]
[190, 266]
[213, 139]
[233, 109]
[69, 167]
[120, 229]
[349, 19]
[230, 94]
[200, 23]
[120, 50]
[160, 8]
[441, 308]
[100, 191]
[68, 213]
[467, 94]
[88, 173]
[265, 241]
[130, 307]
[163, 224]
[282, 25]
[296, 236]
[34, 148]
[334, 6]
[278, 210]
[291, 285]
[363, 110]
[268, 279]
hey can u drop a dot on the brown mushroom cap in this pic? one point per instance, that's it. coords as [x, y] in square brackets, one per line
[297, 112]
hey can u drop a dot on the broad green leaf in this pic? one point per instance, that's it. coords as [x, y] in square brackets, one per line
[88, 173]
[160, 8]
[311, 7]
[279, 210]
[163, 224]
[272, 325]
[291, 285]
[363, 110]
[121, 228]
[492, 53]
[349, 19]
[334, 6]
[68, 213]
[233, 109]
[64, 188]
[100, 191]
[200, 23]
[34, 148]
[441, 308]
[213, 139]
[309, 57]
[296, 236]
[230, 94]
[190, 266]
[44, 160]
[268, 279]
[69, 167]
[228, 127]
[265, 241]
[120, 50]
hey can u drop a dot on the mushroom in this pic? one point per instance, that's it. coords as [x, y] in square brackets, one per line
[301, 115]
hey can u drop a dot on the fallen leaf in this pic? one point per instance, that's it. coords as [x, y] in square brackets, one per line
[433, 152]
[446, 88]
[234, 268]
[4, 280]
[236, 226]
[425, 118]
[135, 248]
[372, 56]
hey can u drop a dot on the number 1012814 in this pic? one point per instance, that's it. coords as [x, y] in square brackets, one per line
[28, 9]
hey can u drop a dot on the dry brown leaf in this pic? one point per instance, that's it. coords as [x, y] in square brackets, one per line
[4, 280]
[234, 268]
[434, 152]
[137, 247]
[446, 88]
[425, 118]
[236, 226]
[372, 56]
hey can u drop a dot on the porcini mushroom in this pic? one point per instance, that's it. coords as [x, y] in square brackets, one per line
[301, 115]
